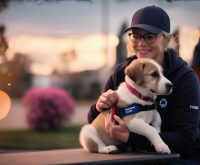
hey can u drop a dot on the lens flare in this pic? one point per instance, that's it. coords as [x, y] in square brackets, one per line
[5, 104]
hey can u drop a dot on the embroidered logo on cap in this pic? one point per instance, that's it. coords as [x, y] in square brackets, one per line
[163, 103]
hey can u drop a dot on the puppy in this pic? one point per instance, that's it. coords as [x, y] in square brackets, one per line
[144, 80]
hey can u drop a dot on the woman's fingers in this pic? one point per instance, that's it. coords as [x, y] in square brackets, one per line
[107, 100]
[117, 131]
[118, 120]
[112, 96]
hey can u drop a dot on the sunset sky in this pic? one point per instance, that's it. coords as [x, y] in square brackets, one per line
[48, 30]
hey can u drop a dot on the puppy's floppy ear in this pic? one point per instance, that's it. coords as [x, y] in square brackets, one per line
[135, 71]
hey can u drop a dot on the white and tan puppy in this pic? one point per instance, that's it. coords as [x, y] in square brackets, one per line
[144, 80]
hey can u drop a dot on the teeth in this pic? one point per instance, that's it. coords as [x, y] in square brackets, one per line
[143, 51]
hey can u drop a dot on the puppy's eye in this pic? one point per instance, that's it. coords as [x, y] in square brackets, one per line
[154, 74]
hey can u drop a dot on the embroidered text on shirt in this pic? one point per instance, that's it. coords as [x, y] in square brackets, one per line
[194, 107]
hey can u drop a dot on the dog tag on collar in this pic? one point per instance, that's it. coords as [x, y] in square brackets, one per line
[131, 109]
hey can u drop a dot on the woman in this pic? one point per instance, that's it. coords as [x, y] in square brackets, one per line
[149, 37]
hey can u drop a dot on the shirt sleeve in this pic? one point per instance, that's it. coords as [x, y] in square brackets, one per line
[110, 84]
[113, 82]
[139, 143]
[185, 114]
[183, 120]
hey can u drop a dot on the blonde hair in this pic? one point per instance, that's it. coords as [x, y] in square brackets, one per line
[173, 40]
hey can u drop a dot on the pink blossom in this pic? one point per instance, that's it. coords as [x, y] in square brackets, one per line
[48, 107]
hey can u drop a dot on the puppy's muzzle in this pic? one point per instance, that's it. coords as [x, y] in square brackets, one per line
[169, 87]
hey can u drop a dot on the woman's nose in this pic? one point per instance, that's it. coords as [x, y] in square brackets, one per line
[142, 41]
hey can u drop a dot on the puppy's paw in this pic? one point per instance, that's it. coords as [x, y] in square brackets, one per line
[110, 149]
[162, 148]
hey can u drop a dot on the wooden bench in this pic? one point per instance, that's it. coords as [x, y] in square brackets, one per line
[79, 156]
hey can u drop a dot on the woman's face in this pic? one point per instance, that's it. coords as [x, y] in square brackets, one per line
[153, 49]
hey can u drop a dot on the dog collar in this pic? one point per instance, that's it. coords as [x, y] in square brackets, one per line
[138, 94]
[131, 109]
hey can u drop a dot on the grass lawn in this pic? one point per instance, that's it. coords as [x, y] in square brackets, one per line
[40, 140]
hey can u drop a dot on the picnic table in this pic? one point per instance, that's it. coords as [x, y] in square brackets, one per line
[79, 156]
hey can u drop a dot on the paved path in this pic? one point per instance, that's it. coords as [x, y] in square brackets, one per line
[16, 116]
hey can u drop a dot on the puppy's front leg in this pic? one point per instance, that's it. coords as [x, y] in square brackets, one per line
[156, 121]
[142, 128]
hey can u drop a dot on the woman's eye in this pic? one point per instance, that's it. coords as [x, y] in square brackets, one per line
[150, 37]
[136, 36]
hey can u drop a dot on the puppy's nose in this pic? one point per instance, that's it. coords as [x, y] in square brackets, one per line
[169, 86]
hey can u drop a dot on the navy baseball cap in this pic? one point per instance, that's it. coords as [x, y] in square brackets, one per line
[152, 19]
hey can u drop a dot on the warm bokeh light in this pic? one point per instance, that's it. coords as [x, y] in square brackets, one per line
[41, 69]
[70, 53]
[188, 40]
[5, 104]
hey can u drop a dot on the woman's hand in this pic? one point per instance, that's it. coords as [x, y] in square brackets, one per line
[117, 131]
[106, 100]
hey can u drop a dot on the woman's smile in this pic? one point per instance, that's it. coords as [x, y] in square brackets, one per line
[143, 52]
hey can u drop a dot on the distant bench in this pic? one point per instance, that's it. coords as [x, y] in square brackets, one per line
[79, 156]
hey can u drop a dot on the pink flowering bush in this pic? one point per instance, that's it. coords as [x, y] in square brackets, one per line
[48, 107]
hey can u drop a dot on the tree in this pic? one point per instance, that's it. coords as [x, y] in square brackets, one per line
[176, 41]
[196, 58]
[3, 42]
[121, 53]
[14, 77]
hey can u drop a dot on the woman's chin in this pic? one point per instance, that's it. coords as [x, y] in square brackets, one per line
[144, 54]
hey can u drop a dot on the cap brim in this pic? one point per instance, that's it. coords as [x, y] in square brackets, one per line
[148, 28]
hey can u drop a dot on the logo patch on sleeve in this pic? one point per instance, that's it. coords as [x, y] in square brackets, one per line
[163, 103]
[194, 107]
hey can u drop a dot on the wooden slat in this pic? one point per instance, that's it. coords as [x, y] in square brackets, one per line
[79, 156]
